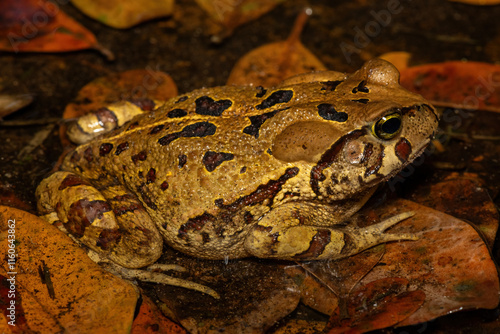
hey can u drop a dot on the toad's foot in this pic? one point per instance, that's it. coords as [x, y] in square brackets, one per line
[148, 275]
[366, 237]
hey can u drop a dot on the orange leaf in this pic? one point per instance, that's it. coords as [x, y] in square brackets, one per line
[455, 84]
[270, 64]
[124, 14]
[379, 304]
[41, 26]
[56, 284]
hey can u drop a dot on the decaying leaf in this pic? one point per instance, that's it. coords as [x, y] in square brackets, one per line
[56, 284]
[124, 14]
[41, 26]
[455, 84]
[150, 320]
[270, 64]
[449, 264]
[233, 13]
[379, 304]
[462, 196]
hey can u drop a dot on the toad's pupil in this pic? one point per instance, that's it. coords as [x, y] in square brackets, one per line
[391, 126]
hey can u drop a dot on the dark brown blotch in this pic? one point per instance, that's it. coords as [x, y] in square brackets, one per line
[212, 160]
[205, 105]
[280, 96]
[330, 86]
[361, 87]
[141, 156]
[182, 160]
[105, 148]
[151, 176]
[121, 147]
[71, 180]
[144, 103]
[176, 113]
[108, 238]
[317, 245]
[181, 99]
[200, 129]
[327, 111]
[403, 149]
[261, 91]
[156, 129]
[257, 121]
[363, 101]
[82, 214]
[87, 154]
[193, 224]
[164, 185]
[106, 116]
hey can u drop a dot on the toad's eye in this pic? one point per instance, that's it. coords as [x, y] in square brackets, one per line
[387, 127]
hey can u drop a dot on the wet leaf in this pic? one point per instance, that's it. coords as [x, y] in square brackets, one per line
[233, 13]
[124, 14]
[41, 26]
[150, 320]
[57, 285]
[462, 196]
[270, 64]
[464, 85]
[449, 264]
[379, 304]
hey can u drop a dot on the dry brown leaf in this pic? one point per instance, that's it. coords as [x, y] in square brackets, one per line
[270, 64]
[124, 14]
[56, 284]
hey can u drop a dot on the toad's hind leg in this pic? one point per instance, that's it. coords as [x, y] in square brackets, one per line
[111, 222]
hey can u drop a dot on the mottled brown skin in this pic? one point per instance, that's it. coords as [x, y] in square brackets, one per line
[231, 172]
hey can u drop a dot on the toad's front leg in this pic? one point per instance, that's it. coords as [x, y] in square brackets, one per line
[297, 232]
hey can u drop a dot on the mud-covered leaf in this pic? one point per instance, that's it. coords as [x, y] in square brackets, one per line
[270, 64]
[58, 287]
[124, 14]
[455, 84]
[379, 304]
[231, 14]
[41, 26]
